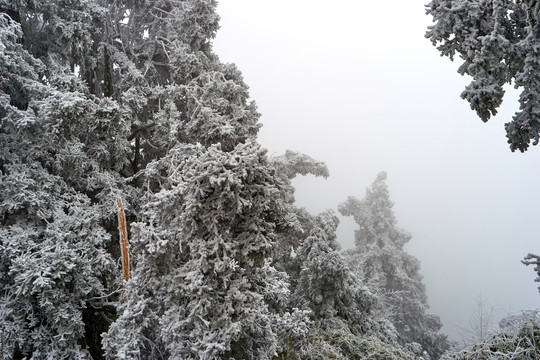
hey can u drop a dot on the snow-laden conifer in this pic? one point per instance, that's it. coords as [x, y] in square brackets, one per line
[103, 99]
[380, 261]
[288, 166]
[325, 284]
[202, 251]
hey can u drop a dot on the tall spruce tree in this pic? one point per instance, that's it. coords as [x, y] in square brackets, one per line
[381, 262]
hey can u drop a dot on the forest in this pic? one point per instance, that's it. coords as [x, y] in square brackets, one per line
[142, 219]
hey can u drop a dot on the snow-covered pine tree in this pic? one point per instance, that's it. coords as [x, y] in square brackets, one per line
[499, 44]
[105, 98]
[380, 261]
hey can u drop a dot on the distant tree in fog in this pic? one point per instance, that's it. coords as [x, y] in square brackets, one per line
[480, 325]
[380, 261]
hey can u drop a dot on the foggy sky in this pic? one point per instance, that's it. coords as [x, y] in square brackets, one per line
[356, 84]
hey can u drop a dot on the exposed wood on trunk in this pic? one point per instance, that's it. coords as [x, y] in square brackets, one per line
[124, 244]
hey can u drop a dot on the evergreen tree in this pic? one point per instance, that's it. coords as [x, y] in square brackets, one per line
[325, 284]
[343, 311]
[380, 262]
[100, 99]
[284, 255]
[203, 277]
[498, 42]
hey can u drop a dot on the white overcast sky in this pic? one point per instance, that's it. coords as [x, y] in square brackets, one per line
[356, 84]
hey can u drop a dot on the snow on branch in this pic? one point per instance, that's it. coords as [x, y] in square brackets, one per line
[532, 259]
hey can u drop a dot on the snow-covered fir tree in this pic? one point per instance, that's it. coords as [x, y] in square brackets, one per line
[498, 42]
[380, 261]
[100, 99]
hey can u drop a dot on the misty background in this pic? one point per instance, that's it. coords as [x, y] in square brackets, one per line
[356, 85]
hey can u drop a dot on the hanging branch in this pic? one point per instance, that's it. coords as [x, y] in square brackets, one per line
[124, 244]
[532, 259]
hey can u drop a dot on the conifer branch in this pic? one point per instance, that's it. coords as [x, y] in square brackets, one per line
[139, 129]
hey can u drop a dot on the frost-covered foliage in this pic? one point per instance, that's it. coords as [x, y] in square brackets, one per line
[326, 286]
[381, 263]
[202, 244]
[100, 99]
[56, 271]
[336, 297]
[517, 339]
[292, 164]
[532, 259]
[498, 42]
[321, 281]
[284, 255]
[332, 339]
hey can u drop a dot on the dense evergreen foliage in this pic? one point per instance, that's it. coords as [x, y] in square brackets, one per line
[498, 42]
[106, 99]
